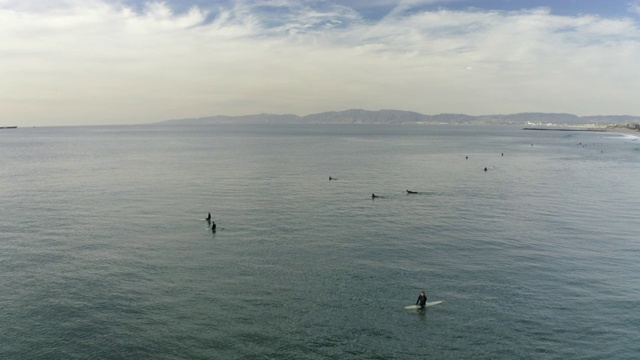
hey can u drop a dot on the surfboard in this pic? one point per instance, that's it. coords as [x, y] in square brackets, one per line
[429, 303]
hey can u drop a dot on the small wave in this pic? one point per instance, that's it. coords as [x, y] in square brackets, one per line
[624, 136]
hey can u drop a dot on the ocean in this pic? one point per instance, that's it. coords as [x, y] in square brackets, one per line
[105, 253]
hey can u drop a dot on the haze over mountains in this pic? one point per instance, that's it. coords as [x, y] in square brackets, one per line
[359, 116]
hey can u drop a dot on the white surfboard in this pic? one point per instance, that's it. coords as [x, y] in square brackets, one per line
[427, 304]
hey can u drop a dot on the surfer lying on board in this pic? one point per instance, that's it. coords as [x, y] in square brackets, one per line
[422, 299]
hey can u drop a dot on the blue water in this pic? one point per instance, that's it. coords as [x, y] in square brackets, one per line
[104, 253]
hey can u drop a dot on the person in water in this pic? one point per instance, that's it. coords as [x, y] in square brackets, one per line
[422, 299]
[209, 217]
[213, 226]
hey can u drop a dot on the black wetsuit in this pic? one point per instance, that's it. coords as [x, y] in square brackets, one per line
[422, 300]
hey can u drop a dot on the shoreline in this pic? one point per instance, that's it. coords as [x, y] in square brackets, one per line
[564, 129]
[613, 129]
[623, 130]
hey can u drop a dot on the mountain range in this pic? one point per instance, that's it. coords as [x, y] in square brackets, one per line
[359, 116]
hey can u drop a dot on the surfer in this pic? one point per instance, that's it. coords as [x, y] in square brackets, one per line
[213, 226]
[209, 217]
[373, 196]
[411, 192]
[422, 299]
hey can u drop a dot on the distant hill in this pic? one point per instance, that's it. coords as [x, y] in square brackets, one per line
[359, 116]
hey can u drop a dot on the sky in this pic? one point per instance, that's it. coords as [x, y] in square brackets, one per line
[99, 62]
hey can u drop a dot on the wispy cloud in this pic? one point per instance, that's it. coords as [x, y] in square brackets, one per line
[634, 7]
[104, 62]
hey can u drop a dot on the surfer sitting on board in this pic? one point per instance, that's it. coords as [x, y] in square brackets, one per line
[422, 299]
[209, 217]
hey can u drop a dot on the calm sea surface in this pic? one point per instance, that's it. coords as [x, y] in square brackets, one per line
[104, 253]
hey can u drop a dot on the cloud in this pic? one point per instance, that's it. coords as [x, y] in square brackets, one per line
[78, 62]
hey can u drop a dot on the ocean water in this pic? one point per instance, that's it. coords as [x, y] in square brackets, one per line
[104, 253]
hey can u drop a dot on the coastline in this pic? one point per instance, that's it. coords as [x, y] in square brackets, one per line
[606, 128]
[623, 130]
